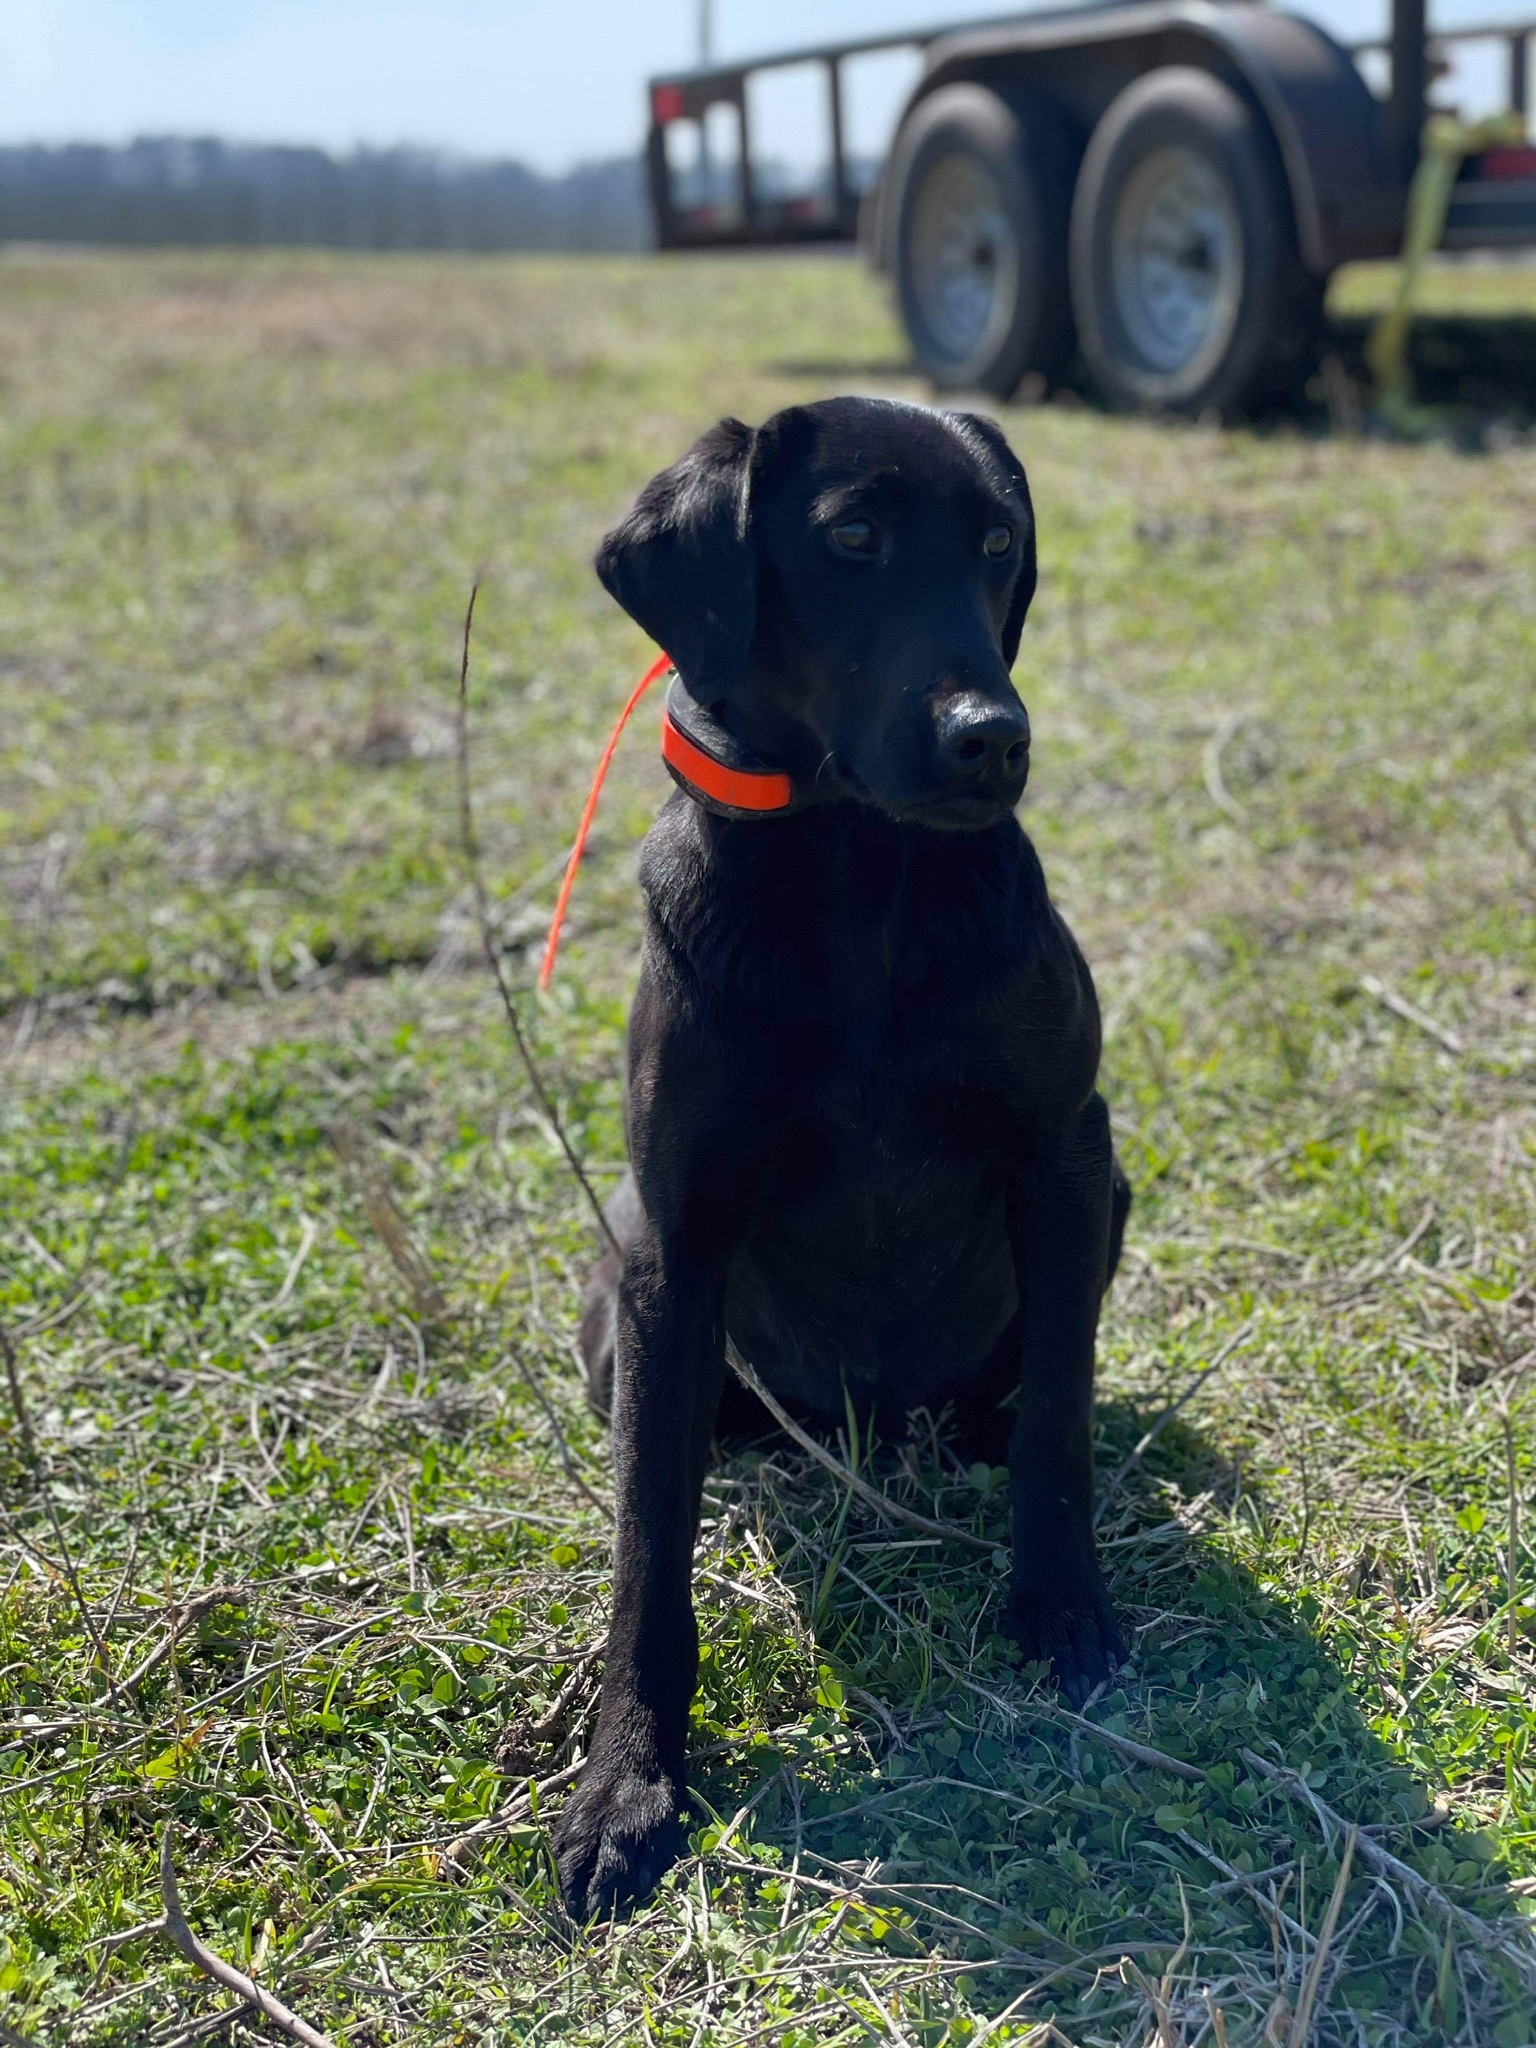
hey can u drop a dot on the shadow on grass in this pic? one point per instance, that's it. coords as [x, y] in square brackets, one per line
[833, 368]
[1485, 364]
[1479, 369]
[1020, 1845]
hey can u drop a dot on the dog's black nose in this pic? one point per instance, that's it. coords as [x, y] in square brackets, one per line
[984, 741]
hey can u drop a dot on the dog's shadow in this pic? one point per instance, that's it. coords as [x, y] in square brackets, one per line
[946, 1805]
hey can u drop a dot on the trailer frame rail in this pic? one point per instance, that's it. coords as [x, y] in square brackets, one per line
[1486, 210]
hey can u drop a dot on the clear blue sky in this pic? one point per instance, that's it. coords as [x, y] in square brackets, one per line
[551, 81]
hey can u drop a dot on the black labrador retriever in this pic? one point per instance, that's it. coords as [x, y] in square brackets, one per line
[863, 1131]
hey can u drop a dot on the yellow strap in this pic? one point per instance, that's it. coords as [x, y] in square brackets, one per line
[1445, 143]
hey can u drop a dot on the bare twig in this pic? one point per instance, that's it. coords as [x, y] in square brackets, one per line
[1240, 1881]
[204, 1959]
[1385, 1864]
[1301, 2019]
[1215, 787]
[403, 1517]
[307, 1235]
[556, 1722]
[1521, 831]
[1137, 1752]
[393, 1232]
[1159, 1995]
[535, 1381]
[1400, 1006]
[23, 1419]
[1511, 1561]
[871, 1496]
[519, 1808]
[22, 1038]
[471, 846]
[67, 1565]
[72, 1295]
[1383, 1267]
[181, 1618]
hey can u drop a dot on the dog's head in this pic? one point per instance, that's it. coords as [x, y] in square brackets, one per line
[843, 588]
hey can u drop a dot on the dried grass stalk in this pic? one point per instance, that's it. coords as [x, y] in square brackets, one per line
[389, 1226]
[204, 1959]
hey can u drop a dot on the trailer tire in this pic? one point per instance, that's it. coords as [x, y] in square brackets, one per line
[1187, 285]
[982, 190]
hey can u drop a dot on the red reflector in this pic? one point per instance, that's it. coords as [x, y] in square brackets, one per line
[666, 104]
[1508, 163]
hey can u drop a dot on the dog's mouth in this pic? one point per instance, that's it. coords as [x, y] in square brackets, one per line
[962, 810]
[957, 808]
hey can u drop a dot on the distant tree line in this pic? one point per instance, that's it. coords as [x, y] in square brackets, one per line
[172, 190]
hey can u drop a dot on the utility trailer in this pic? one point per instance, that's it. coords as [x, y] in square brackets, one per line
[1163, 188]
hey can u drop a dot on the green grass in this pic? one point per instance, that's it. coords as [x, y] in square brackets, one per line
[304, 1547]
[1475, 289]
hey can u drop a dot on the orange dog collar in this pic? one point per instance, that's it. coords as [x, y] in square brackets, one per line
[733, 789]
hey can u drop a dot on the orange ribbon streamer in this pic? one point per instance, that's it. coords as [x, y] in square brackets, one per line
[657, 669]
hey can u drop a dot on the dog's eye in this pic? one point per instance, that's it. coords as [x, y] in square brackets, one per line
[998, 541]
[854, 537]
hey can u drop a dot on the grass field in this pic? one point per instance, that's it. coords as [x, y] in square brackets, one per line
[303, 1558]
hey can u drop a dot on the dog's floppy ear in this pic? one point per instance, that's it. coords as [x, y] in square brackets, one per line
[683, 564]
[976, 427]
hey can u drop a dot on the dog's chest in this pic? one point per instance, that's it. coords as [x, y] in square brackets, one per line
[882, 1240]
[881, 1251]
[869, 984]
[869, 967]
[874, 1062]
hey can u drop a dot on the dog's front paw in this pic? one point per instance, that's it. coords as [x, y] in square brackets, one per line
[1077, 1638]
[618, 1835]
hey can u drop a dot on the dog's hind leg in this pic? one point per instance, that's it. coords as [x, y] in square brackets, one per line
[983, 1414]
[1119, 1210]
[982, 1409]
[600, 1302]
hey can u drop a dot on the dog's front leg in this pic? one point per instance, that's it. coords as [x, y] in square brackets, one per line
[1058, 1608]
[620, 1828]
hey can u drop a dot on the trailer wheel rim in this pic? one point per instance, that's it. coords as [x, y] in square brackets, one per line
[963, 258]
[1176, 261]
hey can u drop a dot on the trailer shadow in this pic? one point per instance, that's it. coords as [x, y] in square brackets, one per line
[889, 365]
[1481, 365]
[1479, 370]
[946, 1806]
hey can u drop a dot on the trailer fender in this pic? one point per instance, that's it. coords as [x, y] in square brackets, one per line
[1326, 125]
